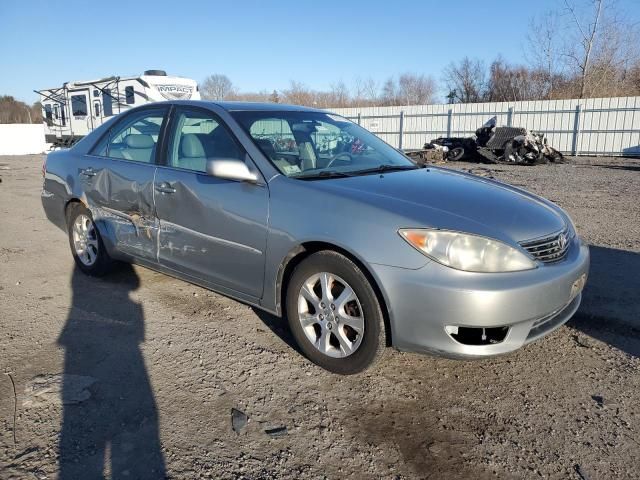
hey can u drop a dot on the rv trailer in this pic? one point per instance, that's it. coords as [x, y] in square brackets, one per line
[75, 109]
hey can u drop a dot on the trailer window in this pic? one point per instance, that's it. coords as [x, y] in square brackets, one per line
[79, 105]
[63, 120]
[129, 95]
[56, 114]
[96, 93]
[48, 115]
[96, 108]
[106, 102]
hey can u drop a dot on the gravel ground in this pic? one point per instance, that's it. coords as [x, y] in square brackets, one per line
[151, 368]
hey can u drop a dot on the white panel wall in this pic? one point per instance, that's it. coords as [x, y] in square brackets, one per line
[21, 139]
[595, 126]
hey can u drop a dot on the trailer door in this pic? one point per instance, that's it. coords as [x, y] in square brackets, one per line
[81, 117]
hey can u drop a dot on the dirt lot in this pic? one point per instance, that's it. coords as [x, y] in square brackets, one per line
[151, 368]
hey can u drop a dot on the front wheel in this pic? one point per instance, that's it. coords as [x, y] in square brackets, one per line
[86, 244]
[334, 314]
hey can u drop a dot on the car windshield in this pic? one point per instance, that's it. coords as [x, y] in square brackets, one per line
[314, 145]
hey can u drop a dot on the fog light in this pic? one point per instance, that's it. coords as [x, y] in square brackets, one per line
[477, 335]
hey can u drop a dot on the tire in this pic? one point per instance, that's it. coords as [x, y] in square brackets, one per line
[353, 329]
[455, 154]
[95, 261]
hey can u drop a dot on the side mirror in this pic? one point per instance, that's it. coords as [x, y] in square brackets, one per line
[230, 169]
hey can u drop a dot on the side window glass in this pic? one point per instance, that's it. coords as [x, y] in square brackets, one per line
[135, 138]
[198, 137]
[129, 95]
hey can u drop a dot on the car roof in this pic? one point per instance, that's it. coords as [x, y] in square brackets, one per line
[250, 106]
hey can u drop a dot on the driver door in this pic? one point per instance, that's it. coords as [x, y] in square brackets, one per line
[210, 228]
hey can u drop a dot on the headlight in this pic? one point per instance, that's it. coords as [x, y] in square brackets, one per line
[470, 253]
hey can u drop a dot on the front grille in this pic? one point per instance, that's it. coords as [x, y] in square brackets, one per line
[549, 249]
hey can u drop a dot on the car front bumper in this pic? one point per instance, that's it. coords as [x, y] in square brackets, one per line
[426, 303]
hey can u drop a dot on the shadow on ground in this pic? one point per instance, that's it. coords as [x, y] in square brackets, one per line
[278, 326]
[630, 168]
[610, 309]
[115, 429]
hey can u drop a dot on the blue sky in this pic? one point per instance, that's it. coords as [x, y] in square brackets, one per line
[259, 45]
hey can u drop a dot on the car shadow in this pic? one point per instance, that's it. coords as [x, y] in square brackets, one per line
[109, 418]
[610, 309]
[278, 326]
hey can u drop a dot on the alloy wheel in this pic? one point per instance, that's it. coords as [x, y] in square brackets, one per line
[85, 239]
[331, 315]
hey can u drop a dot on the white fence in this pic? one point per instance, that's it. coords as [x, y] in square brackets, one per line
[595, 126]
[21, 139]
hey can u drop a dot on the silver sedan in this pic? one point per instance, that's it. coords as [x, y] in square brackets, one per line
[305, 214]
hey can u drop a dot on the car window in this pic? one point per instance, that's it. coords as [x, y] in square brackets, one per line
[197, 137]
[309, 144]
[135, 138]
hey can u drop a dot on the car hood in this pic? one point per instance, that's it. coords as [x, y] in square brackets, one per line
[441, 198]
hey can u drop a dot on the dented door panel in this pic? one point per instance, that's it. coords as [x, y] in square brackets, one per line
[120, 197]
[213, 229]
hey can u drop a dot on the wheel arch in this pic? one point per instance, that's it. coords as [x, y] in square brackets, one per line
[69, 204]
[304, 250]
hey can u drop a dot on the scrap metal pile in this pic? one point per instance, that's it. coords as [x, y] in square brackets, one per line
[491, 144]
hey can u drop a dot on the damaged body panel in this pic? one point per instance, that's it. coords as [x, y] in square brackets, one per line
[213, 229]
[121, 198]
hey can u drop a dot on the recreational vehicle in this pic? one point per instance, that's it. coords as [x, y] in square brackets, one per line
[75, 109]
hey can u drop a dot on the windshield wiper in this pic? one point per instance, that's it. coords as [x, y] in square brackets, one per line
[323, 174]
[385, 168]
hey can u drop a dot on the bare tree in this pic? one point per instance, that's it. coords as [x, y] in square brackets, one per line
[508, 83]
[339, 95]
[299, 94]
[587, 31]
[216, 87]
[466, 80]
[416, 89]
[366, 92]
[15, 111]
[543, 49]
[389, 95]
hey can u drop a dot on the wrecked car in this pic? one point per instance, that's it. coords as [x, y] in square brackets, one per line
[308, 216]
[508, 145]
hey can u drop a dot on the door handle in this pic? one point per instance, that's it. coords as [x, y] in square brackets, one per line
[165, 188]
[88, 172]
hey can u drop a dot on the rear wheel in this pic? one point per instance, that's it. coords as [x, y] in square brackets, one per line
[86, 244]
[334, 313]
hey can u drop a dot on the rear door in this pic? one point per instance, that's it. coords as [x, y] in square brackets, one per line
[118, 182]
[210, 228]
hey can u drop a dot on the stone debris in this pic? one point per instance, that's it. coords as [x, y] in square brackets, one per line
[239, 420]
[276, 432]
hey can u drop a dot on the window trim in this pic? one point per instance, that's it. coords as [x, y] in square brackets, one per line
[170, 129]
[166, 109]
